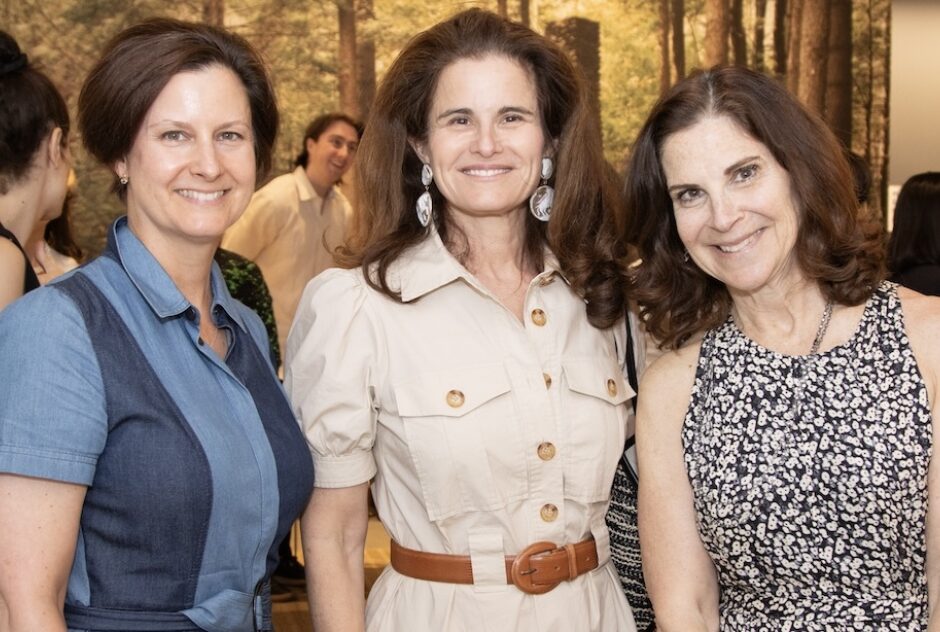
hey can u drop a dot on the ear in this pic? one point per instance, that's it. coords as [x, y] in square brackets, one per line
[56, 153]
[551, 148]
[309, 144]
[120, 167]
[420, 149]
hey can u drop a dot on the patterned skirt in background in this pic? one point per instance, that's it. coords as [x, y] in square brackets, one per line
[625, 548]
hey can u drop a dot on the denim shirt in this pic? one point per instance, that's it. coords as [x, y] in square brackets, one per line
[195, 466]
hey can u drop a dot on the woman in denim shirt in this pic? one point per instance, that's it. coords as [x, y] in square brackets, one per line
[149, 462]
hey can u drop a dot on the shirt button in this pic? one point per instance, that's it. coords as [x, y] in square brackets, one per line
[546, 451]
[611, 387]
[546, 281]
[548, 380]
[538, 317]
[455, 398]
[549, 512]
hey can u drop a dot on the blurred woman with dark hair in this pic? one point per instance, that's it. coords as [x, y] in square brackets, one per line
[914, 247]
[469, 358]
[784, 441]
[149, 460]
[34, 163]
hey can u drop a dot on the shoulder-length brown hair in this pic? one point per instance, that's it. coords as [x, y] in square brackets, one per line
[581, 232]
[838, 246]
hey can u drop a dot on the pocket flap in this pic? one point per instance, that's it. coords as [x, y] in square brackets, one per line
[596, 379]
[451, 393]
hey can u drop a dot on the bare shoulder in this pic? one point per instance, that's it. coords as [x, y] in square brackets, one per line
[666, 388]
[922, 325]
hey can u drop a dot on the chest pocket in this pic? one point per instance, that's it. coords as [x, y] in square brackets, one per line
[465, 439]
[595, 414]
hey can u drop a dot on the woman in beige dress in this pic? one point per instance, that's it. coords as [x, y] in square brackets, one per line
[468, 362]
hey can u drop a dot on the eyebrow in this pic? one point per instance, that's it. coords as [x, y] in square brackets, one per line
[184, 124]
[503, 110]
[727, 171]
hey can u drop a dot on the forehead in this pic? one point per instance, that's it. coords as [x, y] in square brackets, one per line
[491, 81]
[341, 129]
[709, 145]
[213, 92]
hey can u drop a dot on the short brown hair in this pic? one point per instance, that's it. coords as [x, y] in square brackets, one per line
[581, 232]
[838, 245]
[138, 63]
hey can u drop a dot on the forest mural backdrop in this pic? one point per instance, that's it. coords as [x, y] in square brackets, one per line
[329, 54]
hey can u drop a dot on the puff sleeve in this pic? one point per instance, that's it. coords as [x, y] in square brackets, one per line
[333, 354]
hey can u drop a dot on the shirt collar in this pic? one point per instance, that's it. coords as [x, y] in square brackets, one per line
[428, 266]
[154, 284]
[305, 189]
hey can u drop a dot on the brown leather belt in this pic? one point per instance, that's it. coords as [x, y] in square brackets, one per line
[536, 570]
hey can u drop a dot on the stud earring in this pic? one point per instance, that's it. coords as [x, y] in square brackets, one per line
[540, 204]
[123, 180]
[424, 206]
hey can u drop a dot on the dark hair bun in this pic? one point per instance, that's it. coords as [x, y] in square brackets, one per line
[11, 58]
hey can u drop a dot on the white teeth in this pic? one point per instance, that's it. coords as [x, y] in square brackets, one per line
[740, 246]
[199, 196]
[485, 172]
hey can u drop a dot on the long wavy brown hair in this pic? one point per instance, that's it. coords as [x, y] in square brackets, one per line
[838, 245]
[582, 231]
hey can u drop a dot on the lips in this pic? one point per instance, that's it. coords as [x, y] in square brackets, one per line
[741, 245]
[201, 196]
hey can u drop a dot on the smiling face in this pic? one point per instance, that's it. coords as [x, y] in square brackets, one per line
[734, 206]
[485, 139]
[331, 155]
[191, 169]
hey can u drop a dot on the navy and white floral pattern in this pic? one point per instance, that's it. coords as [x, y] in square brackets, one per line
[810, 478]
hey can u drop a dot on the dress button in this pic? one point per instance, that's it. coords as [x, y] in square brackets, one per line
[546, 451]
[455, 398]
[611, 387]
[549, 512]
[546, 281]
[538, 317]
[548, 380]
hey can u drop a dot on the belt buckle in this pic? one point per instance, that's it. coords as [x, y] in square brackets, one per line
[522, 573]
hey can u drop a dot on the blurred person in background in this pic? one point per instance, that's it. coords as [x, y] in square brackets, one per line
[914, 246]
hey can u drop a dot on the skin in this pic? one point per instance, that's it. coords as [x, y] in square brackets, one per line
[196, 137]
[331, 155]
[736, 215]
[34, 199]
[485, 143]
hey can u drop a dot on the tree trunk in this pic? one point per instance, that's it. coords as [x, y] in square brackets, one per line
[365, 62]
[814, 54]
[580, 38]
[348, 88]
[716, 32]
[760, 10]
[678, 37]
[738, 39]
[780, 38]
[839, 71]
[502, 9]
[524, 16]
[213, 12]
[794, 39]
[664, 74]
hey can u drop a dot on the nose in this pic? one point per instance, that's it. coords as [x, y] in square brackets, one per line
[486, 142]
[725, 212]
[206, 160]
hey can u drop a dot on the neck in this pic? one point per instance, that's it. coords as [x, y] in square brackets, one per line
[784, 321]
[494, 245]
[19, 210]
[320, 184]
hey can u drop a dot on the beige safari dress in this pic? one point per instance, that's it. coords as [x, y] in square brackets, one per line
[483, 434]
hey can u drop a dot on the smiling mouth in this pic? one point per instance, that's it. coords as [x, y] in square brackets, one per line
[741, 245]
[493, 171]
[201, 196]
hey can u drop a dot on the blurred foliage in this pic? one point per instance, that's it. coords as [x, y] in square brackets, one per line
[299, 40]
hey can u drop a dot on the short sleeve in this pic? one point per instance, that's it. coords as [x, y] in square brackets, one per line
[53, 419]
[331, 357]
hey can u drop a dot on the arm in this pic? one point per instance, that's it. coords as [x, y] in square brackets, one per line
[679, 574]
[39, 520]
[922, 322]
[12, 270]
[334, 534]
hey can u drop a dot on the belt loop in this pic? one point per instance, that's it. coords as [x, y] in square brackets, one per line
[488, 559]
[601, 539]
[572, 561]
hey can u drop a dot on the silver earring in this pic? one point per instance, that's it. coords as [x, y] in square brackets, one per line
[123, 180]
[685, 257]
[424, 206]
[540, 204]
